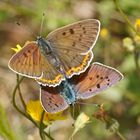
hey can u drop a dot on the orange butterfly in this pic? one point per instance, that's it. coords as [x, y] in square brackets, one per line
[95, 79]
[65, 51]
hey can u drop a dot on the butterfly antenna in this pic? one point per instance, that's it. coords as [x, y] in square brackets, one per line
[97, 105]
[42, 22]
[27, 29]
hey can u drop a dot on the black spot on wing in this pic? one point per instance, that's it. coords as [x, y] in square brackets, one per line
[98, 85]
[90, 78]
[73, 44]
[97, 76]
[80, 39]
[90, 89]
[71, 31]
[25, 55]
[64, 33]
[84, 30]
[56, 105]
[101, 78]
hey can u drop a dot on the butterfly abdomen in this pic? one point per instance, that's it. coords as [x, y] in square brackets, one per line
[68, 93]
[47, 50]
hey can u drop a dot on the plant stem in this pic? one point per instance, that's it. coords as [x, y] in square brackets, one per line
[120, 135]
[41, 126]
[136, 55]
[20, 95]
[125, 17]
[20, 111]
[14, 102]
[136, 58]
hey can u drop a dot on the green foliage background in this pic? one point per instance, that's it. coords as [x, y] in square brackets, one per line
[122, 101]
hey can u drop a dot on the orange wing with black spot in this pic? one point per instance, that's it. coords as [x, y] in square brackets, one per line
[31, 63]
[75, 64]
[73, 45]
[97, 78]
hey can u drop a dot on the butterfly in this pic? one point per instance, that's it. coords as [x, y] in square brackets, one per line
[65, 51]
[95, 79]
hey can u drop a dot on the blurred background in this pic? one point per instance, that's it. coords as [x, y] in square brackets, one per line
[117, 46]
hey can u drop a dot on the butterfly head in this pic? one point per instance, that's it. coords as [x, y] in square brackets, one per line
[41, 42]
[39, 39]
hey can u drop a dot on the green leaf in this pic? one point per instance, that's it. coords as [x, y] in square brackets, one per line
[5, 129]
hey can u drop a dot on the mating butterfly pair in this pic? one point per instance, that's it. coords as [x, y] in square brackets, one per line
[64, 53]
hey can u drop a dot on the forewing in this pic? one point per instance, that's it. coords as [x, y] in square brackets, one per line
[31, 63]
[51, 99]
[27, 61]
[79, 37]
[96, 79]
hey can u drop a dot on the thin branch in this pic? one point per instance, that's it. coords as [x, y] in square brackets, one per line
[136, 59]
[20, 111]
[16, 107]
[41, 126]
[136, 54]
[120, 135]
[125, 17]
[20, 94]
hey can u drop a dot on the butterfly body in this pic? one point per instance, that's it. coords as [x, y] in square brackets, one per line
[68, 92]
[44, 46]
[97, 78]
[47, 50]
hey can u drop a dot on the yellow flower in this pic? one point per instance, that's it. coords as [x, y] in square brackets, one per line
[137, 25]
[34, 109]
[17, 48]
[104, 33]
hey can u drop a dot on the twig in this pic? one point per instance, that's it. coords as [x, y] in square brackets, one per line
[41, 126]
[120, 135]
[20, 95]
[16, 107]
[136, 59]
[125, 17]
[20, 111]
[136, 55]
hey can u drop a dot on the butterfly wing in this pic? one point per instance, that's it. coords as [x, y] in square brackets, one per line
[73, 44]
[78, 37]
[74, 64]
[51, 99]
[51, 76]
[26, 62]
[96, 79]
[31, 63]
